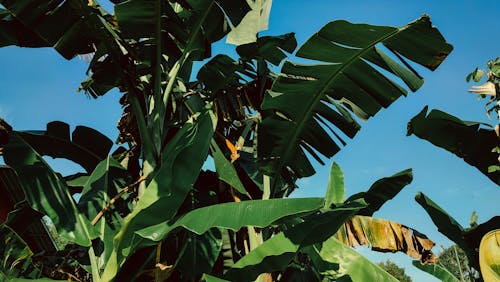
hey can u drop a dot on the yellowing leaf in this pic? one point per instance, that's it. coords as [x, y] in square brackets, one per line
[386, 236]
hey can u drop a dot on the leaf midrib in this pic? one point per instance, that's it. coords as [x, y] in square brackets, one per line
[310, 107]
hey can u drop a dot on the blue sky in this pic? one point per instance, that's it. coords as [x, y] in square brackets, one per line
[39, 86]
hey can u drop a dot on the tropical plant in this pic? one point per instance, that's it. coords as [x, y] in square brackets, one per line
[142, 213]
[476, 145]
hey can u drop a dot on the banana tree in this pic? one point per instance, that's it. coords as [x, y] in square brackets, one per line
[139, 212]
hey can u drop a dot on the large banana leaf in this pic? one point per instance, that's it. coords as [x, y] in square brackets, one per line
[275, 253]
[489, 259]
[13, 32]
[86, 146]
[385, 236]
[350, 263]
[305, 97]
[463, 138]
[45, 191]
[437, 271]
[183, 158]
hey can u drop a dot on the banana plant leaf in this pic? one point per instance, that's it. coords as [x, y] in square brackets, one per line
[254, 21]
[258, 213]
[305, 97]
[13, 32]
[15, 257]
[199, 254]
[386, 236]
[225, 169]
[45, 191]
[467, 239]
[269, 48]
[489, 260]
[276, 253]
[60, 24]
[436, 270]
[183, 158]
[105, 182]
[465, 139]
[350, 263]
[86, 146]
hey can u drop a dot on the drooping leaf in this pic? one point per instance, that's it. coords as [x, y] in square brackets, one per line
[335, 190]
[466, 140]
[383, 190]
[349, 262]
[489, 260]
[183, 158]
[385, 236]
[86, 146]
[306, 96]
[275, 253]
[45, 191]
[436, 270]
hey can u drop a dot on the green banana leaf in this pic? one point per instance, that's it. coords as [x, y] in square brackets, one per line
[489, 261]
[105, 182]
[45, 191]
[258, 213]
[199, 254]
[15, 256]
[335, 193]
[60, 24]
[383, 190]
[436, 270]
[86, 147]
[463, 138]
[183, 158]
[268, 48]
[350, 263]
[13, 32]
[305, 97]
[276, 253]
[225, 169]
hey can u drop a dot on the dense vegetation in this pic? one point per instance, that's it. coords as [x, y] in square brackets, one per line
[142, 209]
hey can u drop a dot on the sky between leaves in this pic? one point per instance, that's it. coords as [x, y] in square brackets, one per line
[39, 86]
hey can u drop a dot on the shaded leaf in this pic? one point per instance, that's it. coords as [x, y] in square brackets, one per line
[199, 253]
[225, 169]
[86, 146]
[269, 48]
[45, 191]
[462, 138]
[15, 256]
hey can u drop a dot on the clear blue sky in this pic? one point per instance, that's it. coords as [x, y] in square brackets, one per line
[39, 86]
